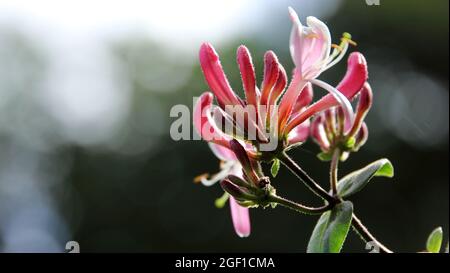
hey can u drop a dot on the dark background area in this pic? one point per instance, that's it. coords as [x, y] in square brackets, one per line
[136, 192]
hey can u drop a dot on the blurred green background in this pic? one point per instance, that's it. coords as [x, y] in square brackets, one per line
[86, 89]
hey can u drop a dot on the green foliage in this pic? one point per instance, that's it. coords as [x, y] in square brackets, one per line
[275, 167]
[331, 230]
[434, 241]
[357, 180]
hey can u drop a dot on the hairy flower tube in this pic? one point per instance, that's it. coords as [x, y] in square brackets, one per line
[272, 119]
[229, 166]
[331, 130]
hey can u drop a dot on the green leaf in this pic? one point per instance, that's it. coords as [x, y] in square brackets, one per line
[434, 241]
[331, 230]
[357, 180]
[275, 167]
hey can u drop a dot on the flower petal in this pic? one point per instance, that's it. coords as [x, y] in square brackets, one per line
[316, 47]
[288, 100]
[240, 217]
[356, 75]
[247, 69]
[243, 158]
[304, 99]
[279, 85]
[295, 42]
[271, 72]
[299, 133]
[364, 105]
[352, 82]
[215, 76]
[361, 136]
[204, 124]
[222, 153]
[318, 133]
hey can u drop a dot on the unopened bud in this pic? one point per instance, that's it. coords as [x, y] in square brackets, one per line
[340, 118]
[361, 136]
[243, 158]
[364, 105]
[318, 133]
[330, 126]
[239, 193]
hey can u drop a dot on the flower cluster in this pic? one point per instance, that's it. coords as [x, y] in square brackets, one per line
[271, 119]
[331, 130]
[274, 116]
[279, 115]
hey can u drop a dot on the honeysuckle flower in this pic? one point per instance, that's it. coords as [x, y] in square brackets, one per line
[331, 130]
[229, 166]
[268, 119]
[310, 48]
[255, 119]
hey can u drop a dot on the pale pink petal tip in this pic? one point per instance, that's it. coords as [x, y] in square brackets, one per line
[293, 15]
[241, 218]
[221, 152]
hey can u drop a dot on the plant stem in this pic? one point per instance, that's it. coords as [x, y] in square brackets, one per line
[299, 207]
[304, 177]
[366, 235]
[334, 171]
[356, 223]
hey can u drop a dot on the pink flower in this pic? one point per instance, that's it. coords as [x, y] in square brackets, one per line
[332, 130]
[256, 118]
[230, 166]
[268, 121]
[310, 48]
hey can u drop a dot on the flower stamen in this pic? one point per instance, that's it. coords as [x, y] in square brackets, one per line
[200, 177]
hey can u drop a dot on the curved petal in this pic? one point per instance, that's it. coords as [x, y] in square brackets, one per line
[364, 105]
[215, 76]
[279, 86]
[316, 47]
[204, 123]
[309, 46]
[356, 75]
[318, 133]
[222, 153]
[288, 100]
[362, 136]
[243, 158]
[240, 217]
[271, 73]
[299, 133]
[304, 99]
[354, 79]
[295, 42]
[247, 69]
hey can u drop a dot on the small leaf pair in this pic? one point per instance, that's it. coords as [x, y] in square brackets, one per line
[331, 230]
